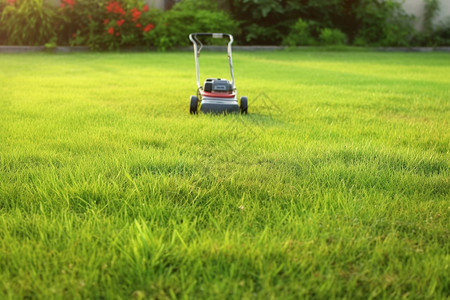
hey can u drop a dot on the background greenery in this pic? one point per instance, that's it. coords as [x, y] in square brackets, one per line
[260, 22]
[336, 184]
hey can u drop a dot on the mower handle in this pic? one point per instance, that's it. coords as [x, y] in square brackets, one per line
[214, 35]
[198, 47]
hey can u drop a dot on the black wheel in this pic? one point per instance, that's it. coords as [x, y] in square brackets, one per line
[194, 105]
[244, 105]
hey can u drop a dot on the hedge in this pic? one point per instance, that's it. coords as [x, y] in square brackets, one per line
[109, 25]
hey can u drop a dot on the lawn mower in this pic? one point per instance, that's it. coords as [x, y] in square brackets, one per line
[216, 95]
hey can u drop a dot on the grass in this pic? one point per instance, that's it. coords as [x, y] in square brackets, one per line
[336, 185]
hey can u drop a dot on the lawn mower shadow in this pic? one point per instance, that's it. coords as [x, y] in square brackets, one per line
[263, 119]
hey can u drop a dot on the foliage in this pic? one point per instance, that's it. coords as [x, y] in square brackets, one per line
[3, 36]
[441, 34]
[300, 34]
[364, 22]
[126, 24]
[98, 24]
[263, 21]
[193, 5]
[310, 33]
[112, 24]
[187, 17]
[383, 23]
[431, 9]
[332, 37]
[433, 34]
[76, 19]
[107, 25]
[28, 22]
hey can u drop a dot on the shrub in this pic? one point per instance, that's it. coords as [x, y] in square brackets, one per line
[75, 21]
[28, 22]
[442, 34]
[364, 22]
[110, 24]
[382, 23]
[300, 35]
[193, 5]
[263, 35]
[3, 37]
[106, 24]
[265, 21]
[310, 33]
[332, 37]
[433, 35]
[431, 8]
[187, 17]
[127, 24]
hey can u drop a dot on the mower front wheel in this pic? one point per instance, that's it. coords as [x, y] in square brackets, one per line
[244, 105]
[194, 105]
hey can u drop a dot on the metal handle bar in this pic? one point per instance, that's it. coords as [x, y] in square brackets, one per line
[214, 35]
[198, 47]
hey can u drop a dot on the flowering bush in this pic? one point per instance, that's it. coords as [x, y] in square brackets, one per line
[111, 24]
[74, 19]
[105, 24]
[127, 23]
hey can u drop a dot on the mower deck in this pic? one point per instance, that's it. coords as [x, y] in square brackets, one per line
[219, 103]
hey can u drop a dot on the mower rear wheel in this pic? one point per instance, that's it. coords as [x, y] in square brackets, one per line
[194, 105]
[244, 105]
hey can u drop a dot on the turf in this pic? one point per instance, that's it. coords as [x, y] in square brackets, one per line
[336, 185]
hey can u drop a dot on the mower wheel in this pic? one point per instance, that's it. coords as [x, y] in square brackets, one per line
[194, 105]
[244, 105]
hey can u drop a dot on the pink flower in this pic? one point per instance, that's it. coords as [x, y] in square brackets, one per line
[135, 14]
[120, 22]
[70, 3]
[149, 27]
[111, 30]
[114, 7]
[111, 5]
[145, 8]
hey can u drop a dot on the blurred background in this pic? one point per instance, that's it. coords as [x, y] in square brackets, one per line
[165, 24]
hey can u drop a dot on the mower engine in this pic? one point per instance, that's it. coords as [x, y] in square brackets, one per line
[218, 85]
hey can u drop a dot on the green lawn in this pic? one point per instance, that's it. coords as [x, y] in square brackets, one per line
[336, 185]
